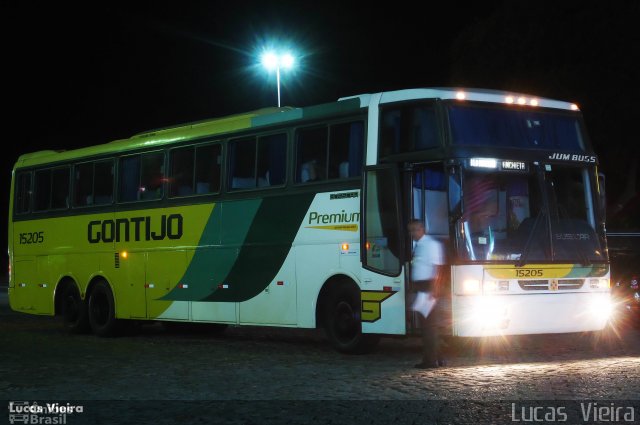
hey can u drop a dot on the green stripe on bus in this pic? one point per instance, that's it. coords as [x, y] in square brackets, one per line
[257, 236]
[266, 247]
[229, 223]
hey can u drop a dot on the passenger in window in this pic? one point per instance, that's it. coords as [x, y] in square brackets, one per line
[308, 171]
[263, 181]
[343, 170]
[181, 183]
[311, 171]
[203, 188]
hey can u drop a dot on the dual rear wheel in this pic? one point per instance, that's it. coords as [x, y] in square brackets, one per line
[96, 313]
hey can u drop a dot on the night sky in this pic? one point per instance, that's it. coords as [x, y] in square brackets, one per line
[79, 76]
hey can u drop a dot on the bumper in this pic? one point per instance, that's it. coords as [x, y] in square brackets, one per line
[530, 313]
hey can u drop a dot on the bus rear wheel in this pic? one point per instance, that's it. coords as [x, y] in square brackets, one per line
[102, 312]
[74, 311]
[342, 322]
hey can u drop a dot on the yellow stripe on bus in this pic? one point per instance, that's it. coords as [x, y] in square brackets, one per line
[372, 304]
[342, 227]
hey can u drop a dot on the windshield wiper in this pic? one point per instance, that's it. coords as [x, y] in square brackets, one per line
[542, 213]
[527, 246]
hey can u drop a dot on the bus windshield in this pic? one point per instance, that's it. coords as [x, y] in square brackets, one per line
[522, 128]
[542, 214]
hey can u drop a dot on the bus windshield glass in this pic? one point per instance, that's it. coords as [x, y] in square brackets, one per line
[481, 125]
[538, 214]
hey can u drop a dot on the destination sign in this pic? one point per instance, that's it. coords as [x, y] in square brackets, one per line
[514, 166]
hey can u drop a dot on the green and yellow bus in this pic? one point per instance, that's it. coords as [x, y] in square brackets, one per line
[296, 217]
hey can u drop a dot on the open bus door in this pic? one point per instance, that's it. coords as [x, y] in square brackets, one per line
[382, 254]
[429, 202]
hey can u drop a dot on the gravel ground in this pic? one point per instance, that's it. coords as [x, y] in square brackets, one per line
[266, 375]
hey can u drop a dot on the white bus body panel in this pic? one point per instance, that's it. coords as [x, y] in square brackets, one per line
[327, 245]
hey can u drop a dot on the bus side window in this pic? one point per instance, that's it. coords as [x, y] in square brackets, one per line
[242, 163]
[208, 168]
[22, 193]
[129, 178]
[311, 151]
[182, 170]
[93, 183]
[346, 150]
[141, 177]
[195, 170]
[42, 190]
[151, 176]
[83, 185]
[103, 182]
[60, 188]
[408, 128]
[272, 159]
[52, 189]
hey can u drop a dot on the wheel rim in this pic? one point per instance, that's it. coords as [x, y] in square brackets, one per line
[345, 324]
[99, 309]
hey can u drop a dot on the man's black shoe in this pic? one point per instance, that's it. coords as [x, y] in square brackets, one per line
[442, 362]
[426, 365]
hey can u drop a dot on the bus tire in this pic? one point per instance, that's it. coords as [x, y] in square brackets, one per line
[74, 311]
[342, 322]
[102, 312]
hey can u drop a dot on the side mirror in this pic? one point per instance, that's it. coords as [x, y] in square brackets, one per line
[602, 198]
[455, 192]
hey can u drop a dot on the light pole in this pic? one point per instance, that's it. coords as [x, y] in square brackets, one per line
[271, 60]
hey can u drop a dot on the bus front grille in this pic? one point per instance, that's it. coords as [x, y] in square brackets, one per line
[570, 283]
[534, 285]
[545, 284]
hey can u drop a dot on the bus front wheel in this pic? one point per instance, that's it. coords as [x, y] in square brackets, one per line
[342, 322]
[102, 312]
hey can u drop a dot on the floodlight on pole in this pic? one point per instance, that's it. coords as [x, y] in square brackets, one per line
[271, 61]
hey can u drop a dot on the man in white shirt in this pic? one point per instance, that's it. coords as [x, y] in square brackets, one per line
[426, 266]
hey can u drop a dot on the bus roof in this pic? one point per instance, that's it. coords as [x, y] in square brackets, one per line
[270, 116]
[469, 94]
[193, 130]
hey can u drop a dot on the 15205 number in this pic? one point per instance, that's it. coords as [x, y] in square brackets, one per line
[529, 272]
[29, 238]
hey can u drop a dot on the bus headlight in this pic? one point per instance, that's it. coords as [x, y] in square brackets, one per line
[601, 308]
[471, 286]
[490, 313]
[492, 286]
[599, 283]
